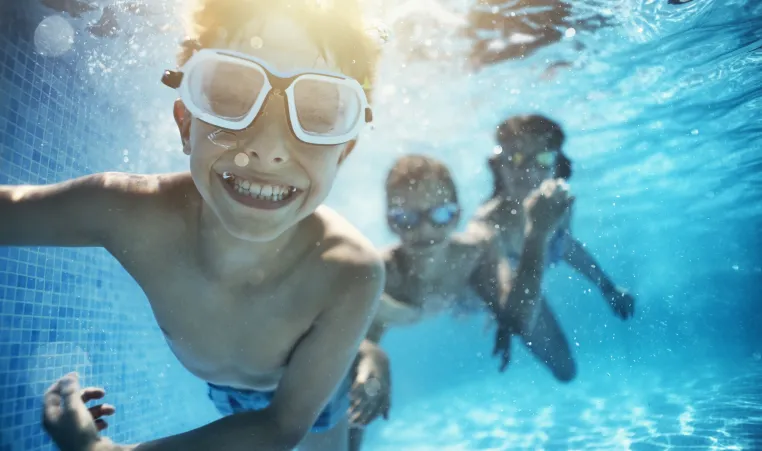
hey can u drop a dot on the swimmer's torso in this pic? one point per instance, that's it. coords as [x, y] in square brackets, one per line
[228, 327]
[445, 281]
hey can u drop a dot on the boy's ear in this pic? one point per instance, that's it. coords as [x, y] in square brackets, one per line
[183, 121]
[347, 150]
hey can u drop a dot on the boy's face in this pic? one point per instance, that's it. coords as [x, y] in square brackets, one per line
[422, 214]
[526, 161]
[276, 180]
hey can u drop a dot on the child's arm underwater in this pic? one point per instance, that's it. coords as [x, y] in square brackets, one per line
[317, 365]
[584, 263]
[515, 302]
[393, 312]
[511, 297]
[87, 211]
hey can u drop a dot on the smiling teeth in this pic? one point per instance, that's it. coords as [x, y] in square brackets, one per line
[273, 193]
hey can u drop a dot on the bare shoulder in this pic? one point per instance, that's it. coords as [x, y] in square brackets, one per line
[158, 203]
[349, 258]
[344, 245]
[477, 235]
[145, 187]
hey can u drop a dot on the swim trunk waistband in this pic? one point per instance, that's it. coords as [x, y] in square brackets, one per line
[233, 400]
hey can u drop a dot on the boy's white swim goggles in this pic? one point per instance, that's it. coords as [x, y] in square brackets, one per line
[228, 89]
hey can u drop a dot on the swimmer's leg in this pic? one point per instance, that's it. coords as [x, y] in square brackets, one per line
[355, 438]
[334, 439]
[548, 343]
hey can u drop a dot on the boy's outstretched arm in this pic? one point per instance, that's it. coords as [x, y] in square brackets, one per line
[317, 366]
[81, 212]
[584, 263]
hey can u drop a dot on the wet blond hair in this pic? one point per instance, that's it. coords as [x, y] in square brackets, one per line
[336, 27]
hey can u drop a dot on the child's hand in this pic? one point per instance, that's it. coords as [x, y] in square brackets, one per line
[503, 344]
[371, 390]
[622, 302]
[547, 205]
[71, 425]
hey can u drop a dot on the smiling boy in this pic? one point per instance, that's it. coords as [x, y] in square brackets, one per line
[259, 290]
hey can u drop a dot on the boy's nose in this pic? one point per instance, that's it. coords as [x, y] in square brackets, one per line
[273, 154]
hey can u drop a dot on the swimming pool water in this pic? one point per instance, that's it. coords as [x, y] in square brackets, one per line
[662, 112]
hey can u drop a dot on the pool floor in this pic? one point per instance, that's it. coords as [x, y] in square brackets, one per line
[702, 408]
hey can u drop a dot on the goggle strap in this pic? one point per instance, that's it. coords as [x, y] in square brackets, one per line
[172, 78]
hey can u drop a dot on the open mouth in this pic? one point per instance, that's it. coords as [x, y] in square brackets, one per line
[258, 194]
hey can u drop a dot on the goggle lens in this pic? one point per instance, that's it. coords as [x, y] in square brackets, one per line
[443, 214]
[325, 108]
[403, 218]
[439, 216]
[226, 88]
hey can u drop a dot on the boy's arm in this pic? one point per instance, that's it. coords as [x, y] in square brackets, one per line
[392, 312]
[81, 212]
[317, 366]
[584, 263]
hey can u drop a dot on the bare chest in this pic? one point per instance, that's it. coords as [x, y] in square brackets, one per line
[225, 333]
[438, 288]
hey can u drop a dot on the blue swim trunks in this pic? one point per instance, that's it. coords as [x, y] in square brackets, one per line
[233, 400]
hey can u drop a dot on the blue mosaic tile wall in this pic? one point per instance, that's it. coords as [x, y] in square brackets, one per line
[65, 310]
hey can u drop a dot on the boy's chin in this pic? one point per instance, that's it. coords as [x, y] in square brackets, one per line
[244, 230]
[425, 244]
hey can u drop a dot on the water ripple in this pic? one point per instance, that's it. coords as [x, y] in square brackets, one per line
[705, 409]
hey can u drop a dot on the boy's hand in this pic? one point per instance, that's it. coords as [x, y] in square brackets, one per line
[371, 390]
[69, 422]
[622, 302]
[547, 205]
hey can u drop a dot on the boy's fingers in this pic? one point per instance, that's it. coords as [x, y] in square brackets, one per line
[102, 410]
[69, 390]
[101, 424]
[357, 391]
[91, 393]
[52, 407]
[53, 396]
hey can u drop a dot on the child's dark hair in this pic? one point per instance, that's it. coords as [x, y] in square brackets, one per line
[411, 169]
[532, 124]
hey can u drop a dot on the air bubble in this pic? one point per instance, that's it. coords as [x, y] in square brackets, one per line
[372, 386]
[256, 42]
[241, 160]
[54, 36]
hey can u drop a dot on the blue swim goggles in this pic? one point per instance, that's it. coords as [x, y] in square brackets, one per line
[438, 216]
